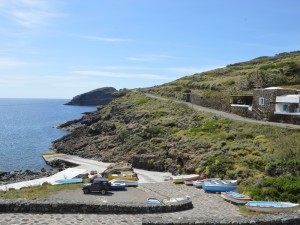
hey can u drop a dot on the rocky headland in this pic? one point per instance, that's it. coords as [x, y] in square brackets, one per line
[100, 96]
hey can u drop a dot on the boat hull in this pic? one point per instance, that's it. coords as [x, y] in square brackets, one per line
[129, 183]
[235, 198]
[218, 188]
[181, 179]
[69, 181]
[153, 201]
[121, 178]
[118, 186]
[270, 207]
[200, 183]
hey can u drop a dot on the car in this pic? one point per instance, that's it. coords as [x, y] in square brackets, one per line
[98, 185]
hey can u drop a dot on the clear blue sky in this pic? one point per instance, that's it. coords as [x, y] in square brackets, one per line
[58, 49]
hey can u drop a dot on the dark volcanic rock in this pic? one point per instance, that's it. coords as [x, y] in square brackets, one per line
[100, 96]
[23, 175]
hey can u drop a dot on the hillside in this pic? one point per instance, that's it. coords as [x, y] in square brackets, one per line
[239, 78]
[156, 135]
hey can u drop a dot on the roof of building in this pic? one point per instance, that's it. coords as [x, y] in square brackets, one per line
[270, 88]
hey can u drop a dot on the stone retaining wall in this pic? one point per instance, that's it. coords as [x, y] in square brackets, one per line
[211, 102]
[264, 219]
[45, 206]
[241, 111]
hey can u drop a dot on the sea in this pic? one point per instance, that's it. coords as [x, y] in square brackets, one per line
[27, 128]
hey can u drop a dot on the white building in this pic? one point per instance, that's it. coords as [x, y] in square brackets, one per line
[288, 105]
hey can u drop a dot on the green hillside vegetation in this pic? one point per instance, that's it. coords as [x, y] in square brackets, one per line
[168, 136]
[280, 70]
[266, 160]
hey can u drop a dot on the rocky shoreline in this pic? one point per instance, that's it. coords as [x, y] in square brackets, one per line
[24, 175]
[8, 177]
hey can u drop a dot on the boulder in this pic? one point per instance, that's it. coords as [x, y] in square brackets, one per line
[119, 168]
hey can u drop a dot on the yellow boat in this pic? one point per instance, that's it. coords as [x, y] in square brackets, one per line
[122, 177]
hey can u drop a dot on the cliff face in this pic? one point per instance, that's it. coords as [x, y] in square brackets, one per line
[100, 96]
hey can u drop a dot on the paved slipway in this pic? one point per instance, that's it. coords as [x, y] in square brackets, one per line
[227, 115]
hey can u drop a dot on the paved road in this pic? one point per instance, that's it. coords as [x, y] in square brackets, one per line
[227, 115]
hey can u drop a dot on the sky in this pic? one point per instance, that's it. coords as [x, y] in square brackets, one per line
[62, 48]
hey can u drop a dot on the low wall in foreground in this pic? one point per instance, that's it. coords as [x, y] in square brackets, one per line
[45, 206]
[292, 218]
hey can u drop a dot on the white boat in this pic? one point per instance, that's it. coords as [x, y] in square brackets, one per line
[129, 183]
[235, 197]
[190, 182]
[180, 179]
[199, 183]
[270, 207]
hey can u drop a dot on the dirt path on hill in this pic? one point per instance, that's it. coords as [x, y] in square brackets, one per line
[227, 115]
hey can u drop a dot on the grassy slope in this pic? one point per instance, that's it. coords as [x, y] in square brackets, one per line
[280, 70]
[39, 191]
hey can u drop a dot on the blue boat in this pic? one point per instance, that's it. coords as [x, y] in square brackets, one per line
[69, 181]
[117, 186]
[218, 187]
[271, 207]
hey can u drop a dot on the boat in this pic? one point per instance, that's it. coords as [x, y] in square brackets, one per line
[216, 186]
[69, 181]
[270, 207]
[199, 183]
[129, 183]
[190, 182]
[235, 197]
[117, 186]
[153, 201]
[180, 179]
[122, 177]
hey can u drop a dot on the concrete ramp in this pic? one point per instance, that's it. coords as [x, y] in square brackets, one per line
[66, 174]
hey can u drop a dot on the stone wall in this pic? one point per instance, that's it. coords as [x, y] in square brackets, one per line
[269, 96]
[45, 206]
[211, 102]
[241, 111]
[285, 119]
[263, 219]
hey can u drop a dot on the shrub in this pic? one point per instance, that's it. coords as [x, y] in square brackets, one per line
[283, 188]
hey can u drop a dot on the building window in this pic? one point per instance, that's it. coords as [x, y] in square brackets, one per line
[285, 108]
[261, 101]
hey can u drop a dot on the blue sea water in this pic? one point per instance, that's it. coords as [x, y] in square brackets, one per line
[27, 128]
